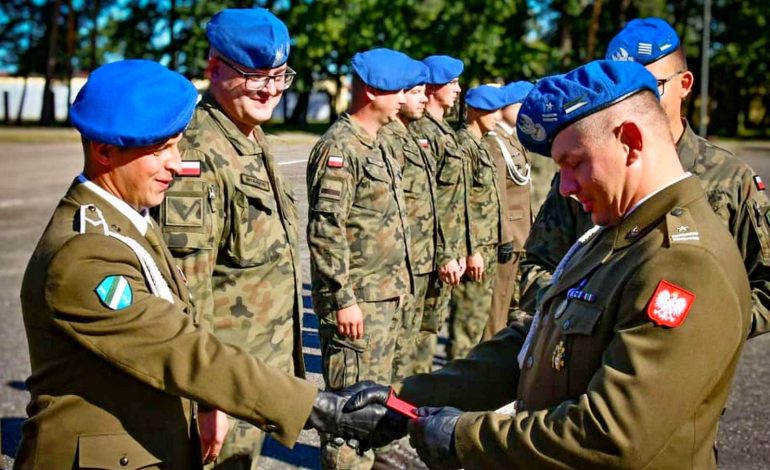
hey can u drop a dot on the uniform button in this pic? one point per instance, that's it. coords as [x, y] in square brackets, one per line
[92, 208]
[338, 441]
[530, 361]
[270, 428]
[123, 461]
[567, 324]
[115, 228]
[676, 212]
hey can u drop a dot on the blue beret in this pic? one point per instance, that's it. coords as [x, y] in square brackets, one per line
[515, 92]
[485, 98]
[643, 40]
[443, 69]
[419, 74]
[557, 101]
[252, 37]
[385, 69]
[133, 103]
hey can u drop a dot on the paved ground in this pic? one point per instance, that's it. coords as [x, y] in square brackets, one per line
[38, 168]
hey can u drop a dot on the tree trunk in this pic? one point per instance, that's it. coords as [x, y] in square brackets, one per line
[95, 8]
[172, 43]
[593, 28]
[47, 116]
[71, 20]
[298, 116]
[22, 99]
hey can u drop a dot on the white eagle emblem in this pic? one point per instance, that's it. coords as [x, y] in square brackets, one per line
[528, 126]
[669, 306]
[621, 55]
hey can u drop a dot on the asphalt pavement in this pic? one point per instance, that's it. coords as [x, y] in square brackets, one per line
[38, 168]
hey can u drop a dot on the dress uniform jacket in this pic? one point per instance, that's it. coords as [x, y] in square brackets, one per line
[734, 191]
[632, 361]
[116, 358]
[233, 227]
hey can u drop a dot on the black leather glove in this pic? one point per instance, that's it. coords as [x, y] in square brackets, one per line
[328, 417]
[392, 426]
[504, 252]
[433, 436]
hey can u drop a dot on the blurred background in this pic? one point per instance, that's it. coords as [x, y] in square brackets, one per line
[48, 47]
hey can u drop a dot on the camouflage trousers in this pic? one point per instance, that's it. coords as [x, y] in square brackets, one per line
[470, 305]
[346, 361]
[411, 325]
[241, 449]
[435, 314]
[504, 297]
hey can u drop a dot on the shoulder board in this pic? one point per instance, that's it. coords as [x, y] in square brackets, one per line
[681, 227]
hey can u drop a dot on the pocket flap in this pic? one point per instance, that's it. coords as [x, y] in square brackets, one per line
[580, 317]
[113, 451]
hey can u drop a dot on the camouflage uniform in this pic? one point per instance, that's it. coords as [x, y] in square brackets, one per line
[359, 254]
[514, 183]
[471, 301]
[417, 181]
[233, 230]
[733, 191]
[452, 182]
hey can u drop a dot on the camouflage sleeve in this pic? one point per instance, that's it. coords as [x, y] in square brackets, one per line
[471, 162]
[192, 217]
[750, 227]
[551, 235]
[331, 181]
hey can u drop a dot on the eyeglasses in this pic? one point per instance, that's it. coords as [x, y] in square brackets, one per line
[258, 81]
[662, 82]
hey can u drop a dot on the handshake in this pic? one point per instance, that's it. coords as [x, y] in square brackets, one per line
[367, 415]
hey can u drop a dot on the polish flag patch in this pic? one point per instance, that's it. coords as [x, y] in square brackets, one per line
[190, 168]
[423, 143]
[759, 183]
[670, 304]
[335, 162]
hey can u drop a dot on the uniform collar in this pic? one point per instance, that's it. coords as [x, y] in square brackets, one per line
[504, 127]
[469, 135]
[139, 220]
[440, 123]
[357, 130]
[687, 148]
[243, 145]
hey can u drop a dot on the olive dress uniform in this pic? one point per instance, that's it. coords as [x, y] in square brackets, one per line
[632, 362]
[116, 358]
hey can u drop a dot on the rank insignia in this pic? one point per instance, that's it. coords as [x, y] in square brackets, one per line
[115, 292]
[669, 304]
[557, 358]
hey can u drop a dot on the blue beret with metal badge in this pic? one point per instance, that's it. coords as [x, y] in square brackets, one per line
[251, 37]
[643, 40]
[560, 100]
[133, 103]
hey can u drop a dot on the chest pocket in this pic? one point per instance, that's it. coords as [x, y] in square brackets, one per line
[256, 235]
[373, 192]
[186, 214]
[484, 173]
[115, 451]
[583, 346]
[413, 171]
[452, 164]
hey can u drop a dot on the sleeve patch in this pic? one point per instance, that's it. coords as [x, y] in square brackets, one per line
[331, 188]
[759, 183]
[255, 182]
[184, 211]
[335, 161]
[190, 168]
[669, 304]
[115, 292]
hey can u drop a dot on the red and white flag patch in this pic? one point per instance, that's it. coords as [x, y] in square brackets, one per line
[190, 168]
[669, 304]
[423, 143]
[759, 183]
[335, 161]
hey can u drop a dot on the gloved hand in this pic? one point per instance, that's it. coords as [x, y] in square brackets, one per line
[392, 426]
[433, 436]
[504, 252]
[328, 417]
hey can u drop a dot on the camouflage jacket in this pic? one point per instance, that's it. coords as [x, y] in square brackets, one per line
[357, 228]
[485, 210]
[452, 187]
[234, 229]
[734, 192]
[417, 173]
[514, 193]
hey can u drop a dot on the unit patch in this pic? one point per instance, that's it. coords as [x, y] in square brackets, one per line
[759, 183]
[190, 168]
[255, 182]
[115, 292]
[335, 161]
[669, 304]
[423, 143]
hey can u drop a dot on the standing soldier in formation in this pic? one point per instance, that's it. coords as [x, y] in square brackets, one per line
[471, 300]
[359, 236]
[514, 180]
[118, 362]
[452, 175]
[734, 191]
[231, 220]
[418, 183]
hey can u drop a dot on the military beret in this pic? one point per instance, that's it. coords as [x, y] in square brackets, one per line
[419, 74]
[133, 103]
[560, 100]
[252, 37]
[443, 69]
[485, 98]
[643, 40]
[385, 69]
[515, 92]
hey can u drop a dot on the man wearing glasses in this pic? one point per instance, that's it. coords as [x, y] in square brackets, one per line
[231, 220]
[734, 191]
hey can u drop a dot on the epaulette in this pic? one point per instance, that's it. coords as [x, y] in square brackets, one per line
[680, 226]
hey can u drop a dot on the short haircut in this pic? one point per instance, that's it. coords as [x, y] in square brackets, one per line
[643, 107]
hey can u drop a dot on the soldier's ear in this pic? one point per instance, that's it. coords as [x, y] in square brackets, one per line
[102, 153]
[630, 136]
[686, 80]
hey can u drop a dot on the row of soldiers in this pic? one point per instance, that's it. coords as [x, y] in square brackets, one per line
[408, 220]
